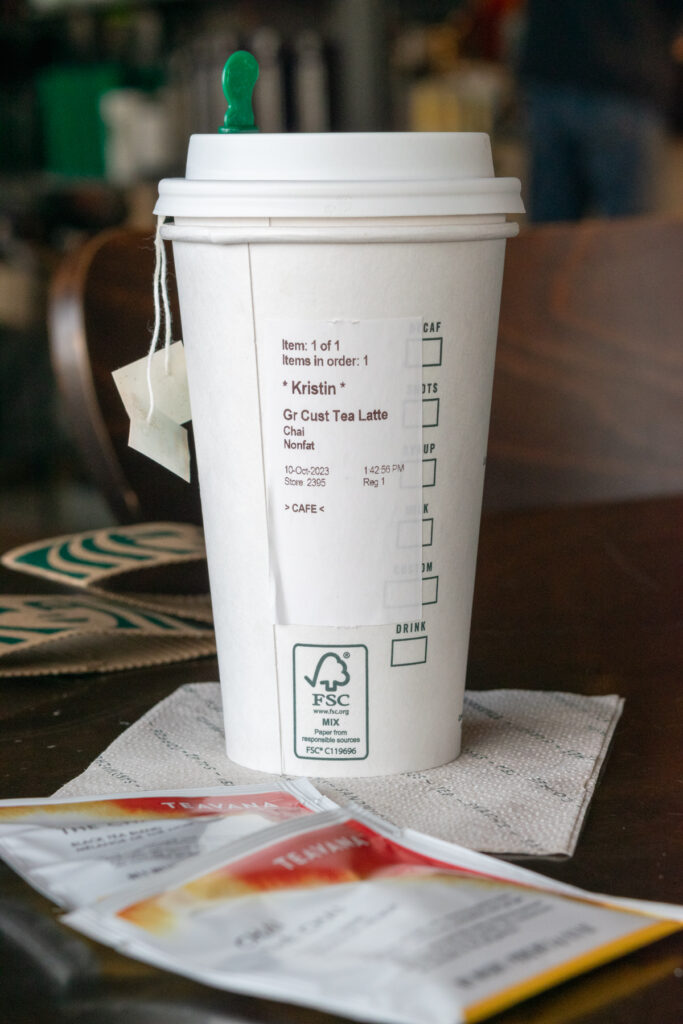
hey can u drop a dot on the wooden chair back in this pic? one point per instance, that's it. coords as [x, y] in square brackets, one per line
[100, 316]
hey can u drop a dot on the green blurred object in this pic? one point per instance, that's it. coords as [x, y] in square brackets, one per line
[239, 78]
[73, 131]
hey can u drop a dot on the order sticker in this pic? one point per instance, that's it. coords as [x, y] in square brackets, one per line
[330, 702]
[341, 409]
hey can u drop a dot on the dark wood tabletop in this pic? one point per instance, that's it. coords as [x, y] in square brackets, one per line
[586, 599]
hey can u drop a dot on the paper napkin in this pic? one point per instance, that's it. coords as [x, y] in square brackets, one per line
[528, 768]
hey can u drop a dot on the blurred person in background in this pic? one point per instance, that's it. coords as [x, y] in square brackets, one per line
[597, 79]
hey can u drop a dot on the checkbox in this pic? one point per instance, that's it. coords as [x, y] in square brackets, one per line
[430, 412]
[408, 481]
[430, 590]
[409, 651]
[432, 350]
[413, 413]
[427, 532]
[400, 593]
[409, 535]
[413, 352]
[428, 472]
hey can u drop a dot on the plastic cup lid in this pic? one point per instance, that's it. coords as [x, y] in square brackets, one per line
[339, 175]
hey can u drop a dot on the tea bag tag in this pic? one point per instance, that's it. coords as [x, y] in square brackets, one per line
[158, 435]
[163, 440]
[171, 395]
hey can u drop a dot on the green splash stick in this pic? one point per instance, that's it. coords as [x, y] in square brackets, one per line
[239, 78]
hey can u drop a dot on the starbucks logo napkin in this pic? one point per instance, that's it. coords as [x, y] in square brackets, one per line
[159, 566]
[56, 633]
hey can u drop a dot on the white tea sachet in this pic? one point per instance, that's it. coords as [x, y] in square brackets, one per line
[77, 851]
[343, 913]
[155, 430]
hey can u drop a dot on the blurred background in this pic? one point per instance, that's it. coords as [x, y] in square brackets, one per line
[98, 98]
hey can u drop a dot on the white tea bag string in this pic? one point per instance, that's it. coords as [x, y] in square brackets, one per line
[160, 289]
[166, 305]
[157, 401]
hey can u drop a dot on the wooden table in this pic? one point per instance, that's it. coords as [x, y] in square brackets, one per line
[588, 600]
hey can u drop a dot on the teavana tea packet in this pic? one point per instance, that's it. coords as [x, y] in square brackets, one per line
[76, 850]
[340, 913]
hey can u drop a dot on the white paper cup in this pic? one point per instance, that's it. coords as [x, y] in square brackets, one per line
[339, 297]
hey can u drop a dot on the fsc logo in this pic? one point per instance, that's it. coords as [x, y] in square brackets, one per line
[330, 702]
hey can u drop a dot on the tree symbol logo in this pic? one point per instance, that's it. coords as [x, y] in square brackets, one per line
[330, 672]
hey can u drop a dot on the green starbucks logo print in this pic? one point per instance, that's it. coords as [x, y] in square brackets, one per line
[330, 672]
